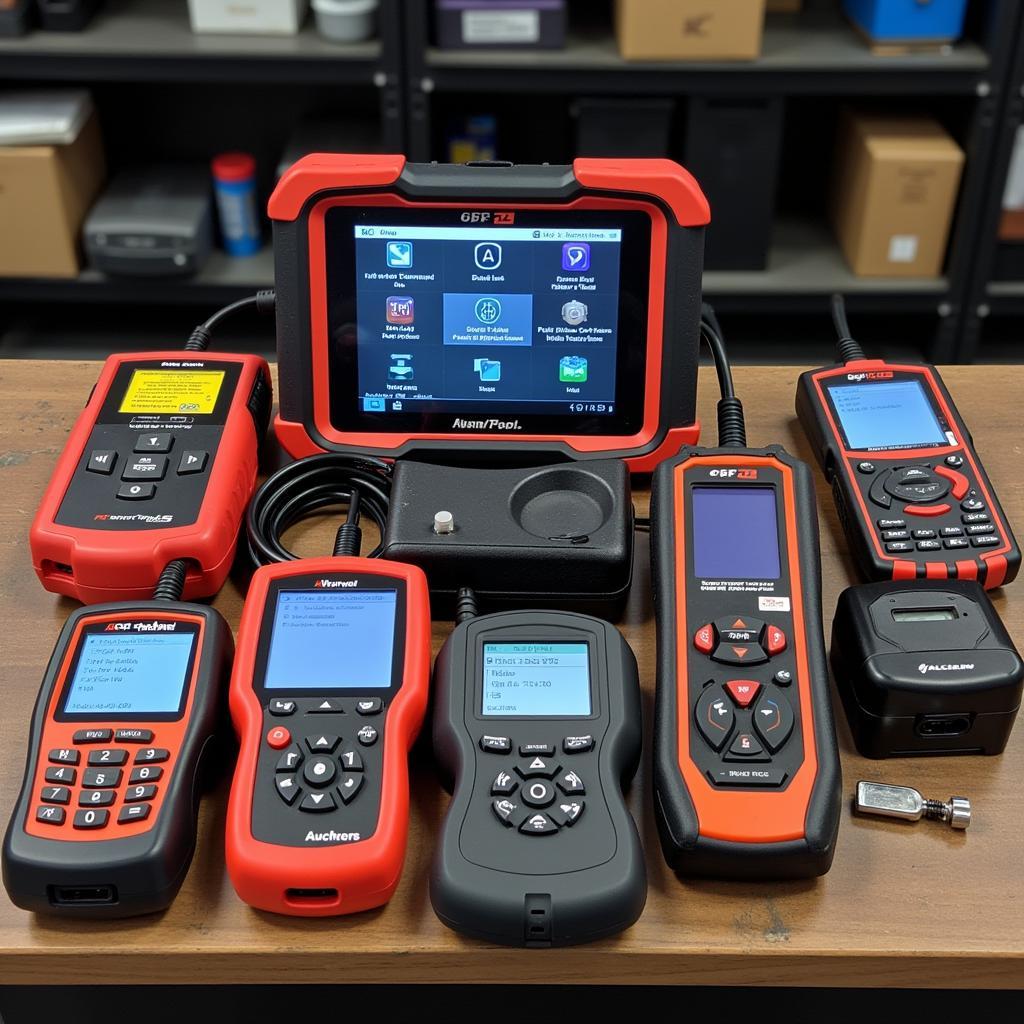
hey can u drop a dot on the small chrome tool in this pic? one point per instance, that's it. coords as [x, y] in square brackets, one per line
[904, 802]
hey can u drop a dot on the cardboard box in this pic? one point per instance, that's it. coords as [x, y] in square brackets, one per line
[689, 29]
[253, 17]
[894, 191]
[45, 193]
[1011, 226]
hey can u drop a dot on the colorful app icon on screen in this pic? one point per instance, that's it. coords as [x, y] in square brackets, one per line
[572, 369]
[489, 369]
[576, 256]
[401, 309]
[400, 255]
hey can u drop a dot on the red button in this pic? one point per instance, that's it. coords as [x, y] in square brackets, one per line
[775, 640]
[743, 691]
[740, 652]
[704, 639]
[279, 737]
[926, 510]
[959, 481]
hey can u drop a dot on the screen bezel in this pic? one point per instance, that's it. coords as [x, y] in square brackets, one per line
[532, 637]
[92, 628]
[893, 377]
[305, 582]
[344, 413]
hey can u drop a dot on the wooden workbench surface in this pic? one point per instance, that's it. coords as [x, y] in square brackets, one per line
[903, 906]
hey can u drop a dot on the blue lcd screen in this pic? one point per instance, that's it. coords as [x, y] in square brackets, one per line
[536, 680]
[511, 319]
[735, 533]
[332, 639]
[130, 674]
[896, 414]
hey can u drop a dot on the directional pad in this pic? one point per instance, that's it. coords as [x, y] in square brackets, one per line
[773, 719]
[715, 716]
[538, 768]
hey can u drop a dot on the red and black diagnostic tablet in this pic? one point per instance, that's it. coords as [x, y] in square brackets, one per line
[910, 489]
[159, 466]
[746, 767]
[328, 693]
[105, 824]
[544, 309]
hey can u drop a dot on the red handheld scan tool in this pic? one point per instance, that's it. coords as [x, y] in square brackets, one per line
[488, 307]
[328, 694]
[159, 466]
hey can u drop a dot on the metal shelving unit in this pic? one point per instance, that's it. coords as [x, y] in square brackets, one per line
[810, 55]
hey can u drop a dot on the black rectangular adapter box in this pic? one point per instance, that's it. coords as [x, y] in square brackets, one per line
[553, 536]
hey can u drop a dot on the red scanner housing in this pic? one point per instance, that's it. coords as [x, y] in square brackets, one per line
[159, 465]
[664, 212]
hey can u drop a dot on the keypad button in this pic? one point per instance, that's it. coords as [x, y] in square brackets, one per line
[976, 528]
[96, 797]
[159, 444]
[92, 736]
[715, 716]
[318, 802]
[926, 511]
[108, 756]
[866, 467]
[899, 547]
[742, 691]
[322, 743]
[136, 492]
[91, 818]
[148, 773]
[773, 719]
[351, 761]
[325, 706]
[571, 784]
[891, 524]
[783, 677]
[192, 462]
[975, 517]
[64, 755]
[55, 795]
[895, 535]
[736, 629]
[61, 775]
[952, 531]
[577, 744]
[748, 775]
[133, 812]
[531, 749]
[538, 768]
[135, 794]
[929, 545]
[133, 736]
[774, 640]
[277, 738]
[348, 785]
[956, 461]
[985, 542]
[101, 778]
[290, 759]
[101, 460]
[504, 783]
[955, 542]
[924, 535]
[504, 811]
[145, 467]
[319, 771]
[151, 755]
[972, 505]
[568, 812]
[704, 638]
[496, 744]
[960, 483]
[538, 793]
[739, 654]
[287, 788]
[745, 745]
[281, 708]
[50, 815]
[367, 735]
[538, 825]
[369, 706]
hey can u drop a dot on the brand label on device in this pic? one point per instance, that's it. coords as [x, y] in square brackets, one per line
[773, 604]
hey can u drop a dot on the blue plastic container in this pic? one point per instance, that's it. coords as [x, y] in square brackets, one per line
[888, 21]
[234, 185]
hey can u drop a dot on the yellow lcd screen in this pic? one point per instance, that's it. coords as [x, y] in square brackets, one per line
[172, 391]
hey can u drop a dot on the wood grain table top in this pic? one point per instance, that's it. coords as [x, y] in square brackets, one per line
[903, 906]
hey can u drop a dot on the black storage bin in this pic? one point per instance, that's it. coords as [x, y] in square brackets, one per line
[623, 127]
